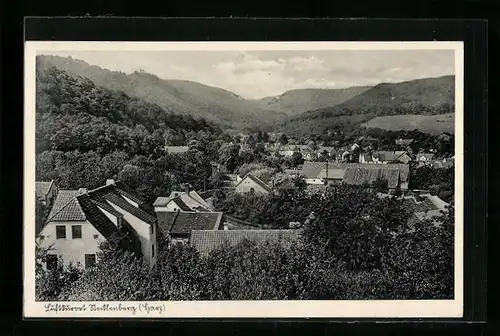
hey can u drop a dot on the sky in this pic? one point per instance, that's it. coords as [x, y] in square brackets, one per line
[255, 74]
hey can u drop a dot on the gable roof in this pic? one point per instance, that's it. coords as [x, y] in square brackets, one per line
[42, 187]
[184, 222]
[180, 203]
[403, 141]
[176, 149]
[358, 175]
[207, 241]
[110, 193]
[389, 156]
[98, 219]
[255, 180]
[66, 207]
[123, 190]
[192, 200]
[427, 156]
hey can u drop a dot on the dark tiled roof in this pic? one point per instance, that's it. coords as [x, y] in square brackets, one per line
[66, 207]
[124, 191]
[360, 175]
[184, 222]
[98, 219]
[42, 188]
[256, 180]
[105, 206]
[207, 241]
[180, 203]
[114, 197]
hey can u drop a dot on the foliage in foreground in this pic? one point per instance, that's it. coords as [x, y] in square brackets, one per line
[413, 264]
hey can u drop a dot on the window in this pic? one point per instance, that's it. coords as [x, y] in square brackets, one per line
[89, 260]
[60, 232]
[153, 250]
[76, 231]
[51, 261]
[96, 236]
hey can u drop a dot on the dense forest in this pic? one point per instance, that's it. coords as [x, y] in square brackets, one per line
[86, 134]
[430, 96]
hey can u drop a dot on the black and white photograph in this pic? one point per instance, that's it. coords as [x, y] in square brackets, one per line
[271, 179]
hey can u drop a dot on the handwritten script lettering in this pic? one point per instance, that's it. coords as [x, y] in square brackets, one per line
[142, 308]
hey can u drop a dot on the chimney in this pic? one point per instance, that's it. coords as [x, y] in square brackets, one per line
[186, 188]
[82, 191]
[110, 182]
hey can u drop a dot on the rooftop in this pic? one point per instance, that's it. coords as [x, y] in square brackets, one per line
[42, 187]
[207, 241]
[256, 180]
[184, 222]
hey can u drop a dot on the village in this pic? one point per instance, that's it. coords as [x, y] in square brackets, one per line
[80, 220]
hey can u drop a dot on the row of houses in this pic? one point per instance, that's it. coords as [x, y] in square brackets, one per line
[81, 220]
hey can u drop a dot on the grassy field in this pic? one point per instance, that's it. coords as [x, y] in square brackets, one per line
[433, 124]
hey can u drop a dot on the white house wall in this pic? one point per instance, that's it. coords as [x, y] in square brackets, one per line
[110, 216]
[69, 249]
[130, 201]
[143, 231]
[247, 185]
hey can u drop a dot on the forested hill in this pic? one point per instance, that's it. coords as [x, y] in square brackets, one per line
[177, 96]
[429, 96]
[74, 113]
[295, 102]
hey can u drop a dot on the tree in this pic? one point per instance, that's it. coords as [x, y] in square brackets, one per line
[49, 283]
[229, 156]
[119, 275]
[296, 159]
[380, 185]
[283, 139]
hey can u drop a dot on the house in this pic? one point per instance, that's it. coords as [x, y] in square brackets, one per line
[403, 142]
[81, 220]
[395, 174]
[424, 157]
[206, 241]
[327, 150]
[287, 150]
[251, 183]
[366, 158]
[422, 207]
[185, 201]
[390, 157]
[293, 172]
[178, 225]
[46, 192]
[176, 149]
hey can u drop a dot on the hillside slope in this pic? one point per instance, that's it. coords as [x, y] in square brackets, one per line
[429, 96]
[72, 113]
[176, 96]
[434, 124]
[295, 102]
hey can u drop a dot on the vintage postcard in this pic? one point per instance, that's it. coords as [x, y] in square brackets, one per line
[237, 179]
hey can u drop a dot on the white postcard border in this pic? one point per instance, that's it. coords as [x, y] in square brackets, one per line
[236, 309]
